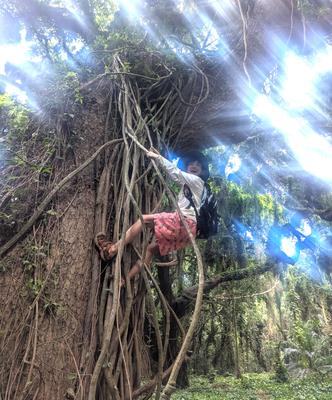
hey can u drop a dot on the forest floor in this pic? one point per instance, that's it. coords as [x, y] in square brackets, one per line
[256, 387]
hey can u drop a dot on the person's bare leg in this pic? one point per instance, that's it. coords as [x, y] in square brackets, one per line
[137, 267]
[132, 233]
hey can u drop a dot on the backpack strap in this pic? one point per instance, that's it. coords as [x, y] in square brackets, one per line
[189, 195]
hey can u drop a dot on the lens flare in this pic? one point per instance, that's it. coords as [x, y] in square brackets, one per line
[175, 159]
[288, 246]
[304, 228]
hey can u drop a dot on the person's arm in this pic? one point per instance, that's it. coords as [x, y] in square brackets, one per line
[175, 173]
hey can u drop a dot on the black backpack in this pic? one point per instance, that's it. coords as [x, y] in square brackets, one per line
[207, 216]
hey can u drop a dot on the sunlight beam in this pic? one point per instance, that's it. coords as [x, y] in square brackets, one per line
[312, 150]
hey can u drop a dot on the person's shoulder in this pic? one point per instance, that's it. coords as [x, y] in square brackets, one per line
[196, 179]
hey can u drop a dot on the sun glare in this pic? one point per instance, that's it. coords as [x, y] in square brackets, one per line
[131, 7]
[323, 61]
[15, 53]
[298, 88]
[312, 150]
[299, 94]
[14, 91]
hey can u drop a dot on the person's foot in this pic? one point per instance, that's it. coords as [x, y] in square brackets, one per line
[107, 249]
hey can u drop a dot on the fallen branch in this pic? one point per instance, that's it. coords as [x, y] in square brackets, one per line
[149, 386]
[181, 303]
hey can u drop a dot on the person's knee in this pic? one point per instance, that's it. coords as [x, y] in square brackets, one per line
[152, 248]
[147, 218]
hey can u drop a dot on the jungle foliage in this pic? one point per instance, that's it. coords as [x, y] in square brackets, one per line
[255, 387]
[103, 86]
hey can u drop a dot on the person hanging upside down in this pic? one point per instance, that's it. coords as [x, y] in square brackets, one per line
[169, 232]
